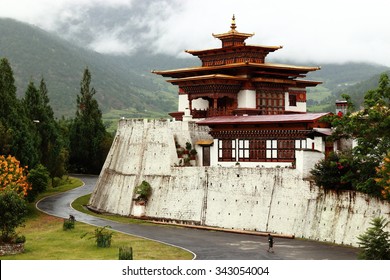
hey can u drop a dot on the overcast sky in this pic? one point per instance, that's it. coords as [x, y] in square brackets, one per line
[309, 31]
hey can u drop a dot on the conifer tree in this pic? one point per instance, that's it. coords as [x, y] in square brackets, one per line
[18, 126]
[87, 133]
[375, 242]
[50, 144]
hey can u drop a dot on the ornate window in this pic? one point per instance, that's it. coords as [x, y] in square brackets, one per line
[286, 149]
[243, 150]
[292, 100]
[270, 102]
[226, 150]
[301, 144]
[271, 149]
[257, 150]
[282, 149]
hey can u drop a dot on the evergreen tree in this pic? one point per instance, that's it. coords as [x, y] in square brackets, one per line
[375, 242]
[49, 142]
[18, 126]
[87, 134]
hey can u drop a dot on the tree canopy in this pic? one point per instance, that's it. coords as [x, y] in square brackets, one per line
[370, 128]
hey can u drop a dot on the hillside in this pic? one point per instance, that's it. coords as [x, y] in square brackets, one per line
[352, 78]
[125, 85]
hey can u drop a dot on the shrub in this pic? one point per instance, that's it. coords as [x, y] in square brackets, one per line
[143, 191]
[20, 239]
[39, 180]
[188, 146]
[102, 237]
[13, 211]
[13, 176]
[125, 253]
[375, 242]
[69, 223]
[334, 172]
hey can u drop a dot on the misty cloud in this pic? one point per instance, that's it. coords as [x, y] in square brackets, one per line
[310, 31]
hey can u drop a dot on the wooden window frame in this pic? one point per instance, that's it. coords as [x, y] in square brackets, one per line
[243, 149]
[227, 150]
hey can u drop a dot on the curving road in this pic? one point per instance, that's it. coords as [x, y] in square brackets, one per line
[205, 245]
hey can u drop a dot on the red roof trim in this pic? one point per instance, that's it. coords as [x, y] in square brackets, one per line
[263, 119]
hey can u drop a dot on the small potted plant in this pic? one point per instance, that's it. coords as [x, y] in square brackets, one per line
[193, 154]
[142, 194]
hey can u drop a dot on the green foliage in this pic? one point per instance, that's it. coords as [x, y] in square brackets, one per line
[20, 139]
[5, 139]
[89, 141]
[143, 191]
[102, 237]
[125, 253]
[13, 211]
[370, 128]
[375, 242]
[51, 146]
[69, 223]
[334, 172]
[38, 177]
[20, 239]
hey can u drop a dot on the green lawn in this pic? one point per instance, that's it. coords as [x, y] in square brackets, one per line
[46, 240]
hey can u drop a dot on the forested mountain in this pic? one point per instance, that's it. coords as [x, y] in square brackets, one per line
[351, 78]
[121, 82]
[357, 91]
[124, 84]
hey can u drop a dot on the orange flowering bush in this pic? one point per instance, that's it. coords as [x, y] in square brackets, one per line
[13, 176]
[383, 179]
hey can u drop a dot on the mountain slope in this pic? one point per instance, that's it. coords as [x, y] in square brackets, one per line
[341, 78]
[120, 82]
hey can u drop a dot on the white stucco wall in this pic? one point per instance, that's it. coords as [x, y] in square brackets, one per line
[183, 102]
[306, 159]
[275, 200]
[300, 106]
[246, 98]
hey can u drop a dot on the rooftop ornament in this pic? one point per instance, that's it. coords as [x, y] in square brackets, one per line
[233, 25]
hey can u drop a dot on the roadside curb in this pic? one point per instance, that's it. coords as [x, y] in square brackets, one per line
[249, 232]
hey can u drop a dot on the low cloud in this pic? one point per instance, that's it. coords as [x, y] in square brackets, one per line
[320, 31]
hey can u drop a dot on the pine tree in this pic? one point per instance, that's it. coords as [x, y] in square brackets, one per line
[375, 242]
[87, 134]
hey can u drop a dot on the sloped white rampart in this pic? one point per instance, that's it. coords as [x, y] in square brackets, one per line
[275, 200]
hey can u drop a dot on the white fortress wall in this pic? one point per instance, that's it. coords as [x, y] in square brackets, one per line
[277, 200]
[178, 196]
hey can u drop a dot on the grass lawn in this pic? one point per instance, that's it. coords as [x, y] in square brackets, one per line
[46, 240]
[79, 205]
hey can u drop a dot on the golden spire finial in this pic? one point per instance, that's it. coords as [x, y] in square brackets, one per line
[233, 25]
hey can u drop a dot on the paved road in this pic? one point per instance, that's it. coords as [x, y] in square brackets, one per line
[205, 245]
